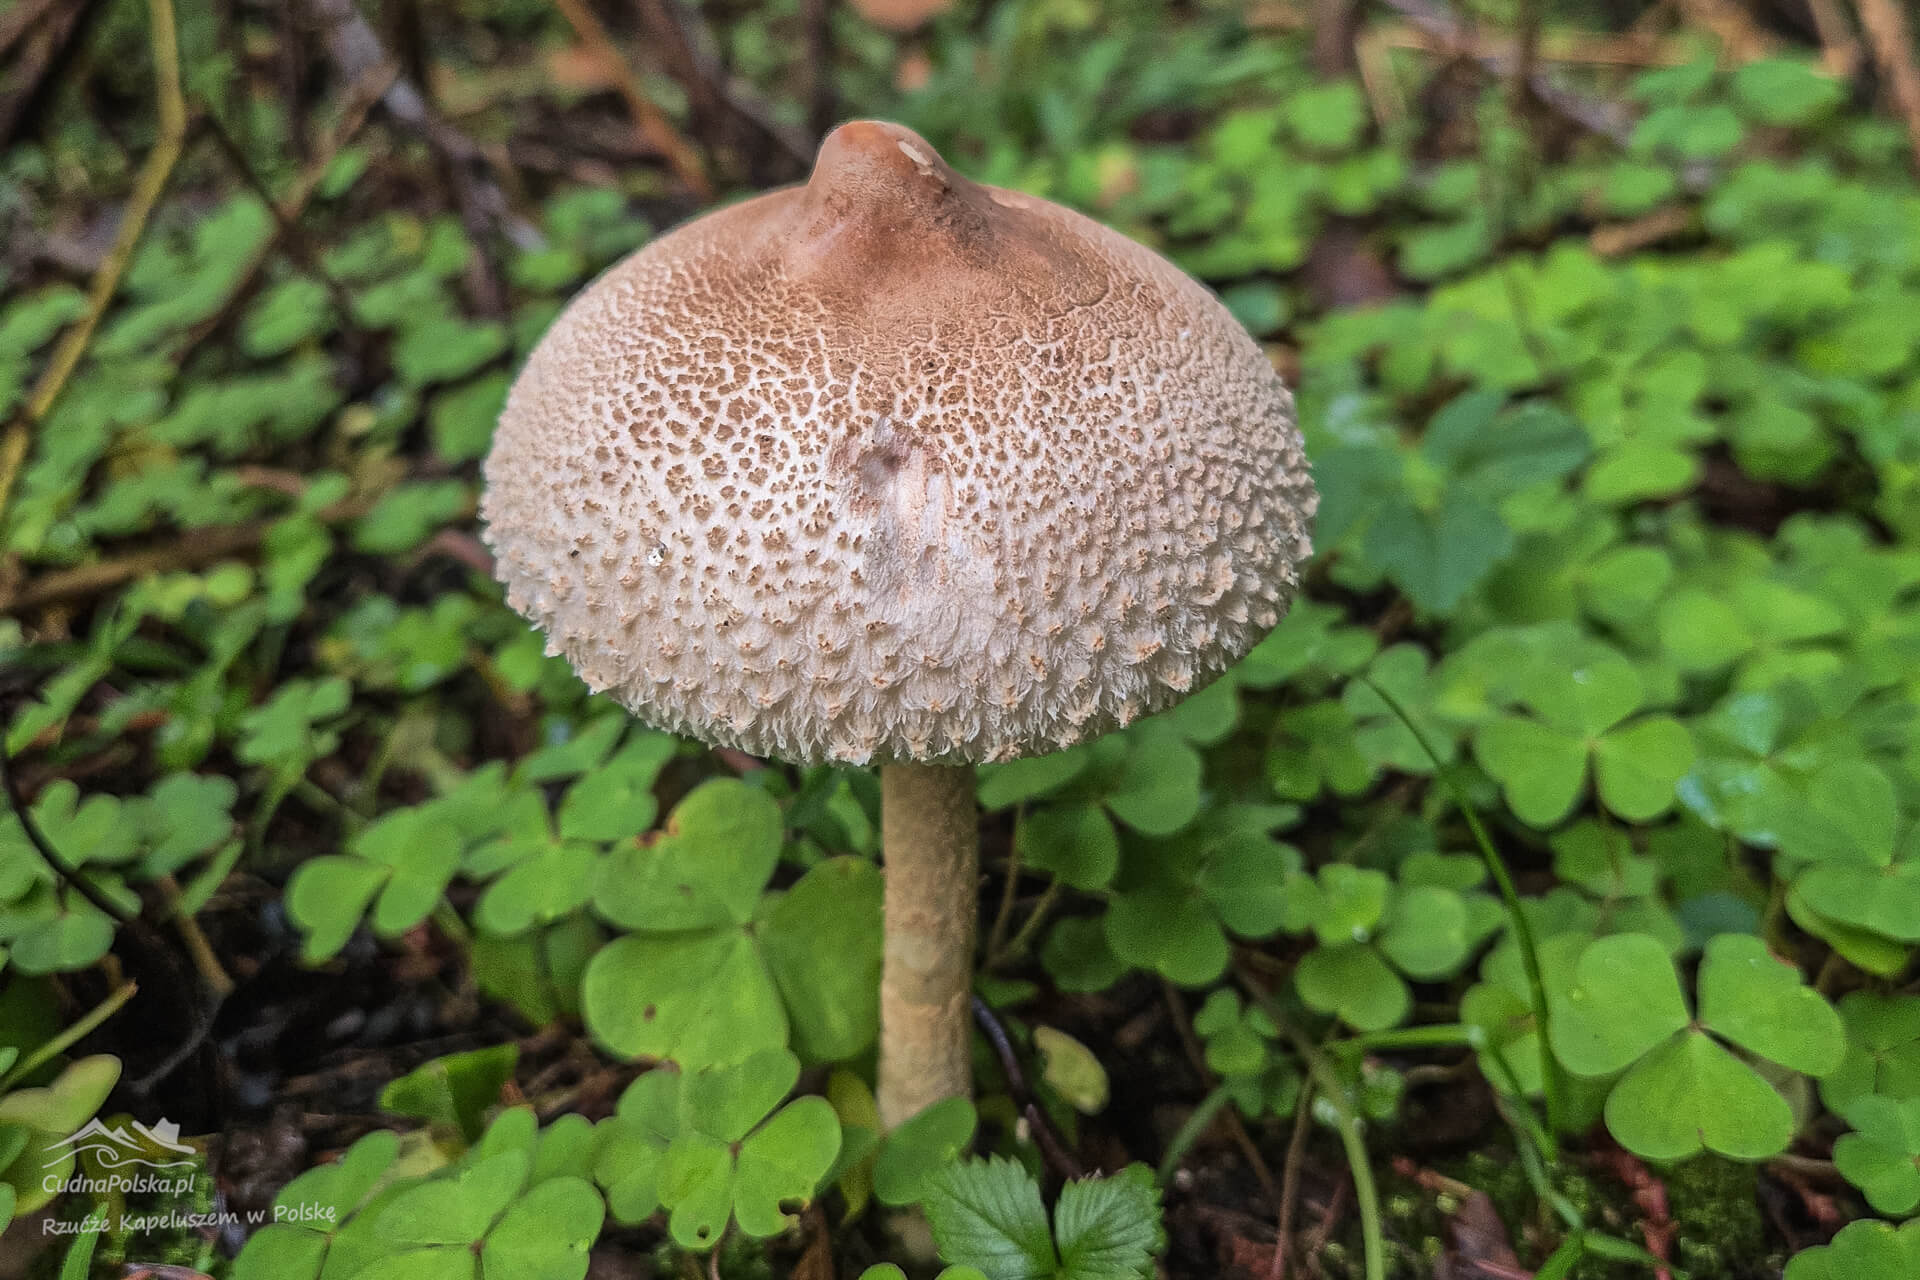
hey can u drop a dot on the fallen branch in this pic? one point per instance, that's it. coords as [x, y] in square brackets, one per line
[194, 549]
[1052, 1149]
[169, 137]
[23, 18]
[649, 121]
[1604, 118]
[288, 210]
[707, 84]
[285, 216]
[356, 50]
[1840, 56]
[1617, 239]
[46, 39]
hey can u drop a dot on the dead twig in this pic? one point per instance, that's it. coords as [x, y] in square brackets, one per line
[1620, 238]
[47, 39]
[1840, 48]
[1741, 38]
[194, 549]
[649, 121]
[356, 50]
[1886, 26]
[1607, 119]
[1333, 37]
[23, 18]
[676, 33]
[169, 137]
[1290, 1180]
[1229, 1118]
[65, 874]
[285, 216]
[289, 208]
[1052, 1149]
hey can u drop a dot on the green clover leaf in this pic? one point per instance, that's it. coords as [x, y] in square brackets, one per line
[1353, 982]
[1861, 1251]
[717, 969]
[1759, 1002]
[630, 1146]
[310, 1211]
[1622, 998]
[915, 1151]
[1173, 906]
[708, 867]
[1882, 1155]
[1883, 1050]
[1691, 1093]
[695, 998]
[731, 1159]
[1075, 842]
[1621, 1008]
[400, 866]
[820, 941]
[1542, 763]
[454, 1091]
[1379, 733]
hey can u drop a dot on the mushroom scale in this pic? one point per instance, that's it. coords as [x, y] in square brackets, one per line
[897, 467]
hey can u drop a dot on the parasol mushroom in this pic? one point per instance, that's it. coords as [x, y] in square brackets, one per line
[894, 468]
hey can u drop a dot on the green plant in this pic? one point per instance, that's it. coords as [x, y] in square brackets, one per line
[987, 1217]
[1587, 755]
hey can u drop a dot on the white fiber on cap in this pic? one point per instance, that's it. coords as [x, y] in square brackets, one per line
[897, 467]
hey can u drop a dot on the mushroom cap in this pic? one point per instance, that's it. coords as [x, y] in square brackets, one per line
[894, 466]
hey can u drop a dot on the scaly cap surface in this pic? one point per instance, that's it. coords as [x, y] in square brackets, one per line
[895, 466]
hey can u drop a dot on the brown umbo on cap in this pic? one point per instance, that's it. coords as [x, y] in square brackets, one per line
[897, 467]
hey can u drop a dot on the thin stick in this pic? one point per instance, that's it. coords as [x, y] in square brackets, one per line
[1516, 918]
[1236, 1128]
[169, 137]
[191, 550]
[1023, 937]
[71, 1035]
[706, 82]
[1009, 889]
[205, 958]
[1198, 1121]
[1893, 48]
[649, 121]
[286, 228]
[1052, 1149]
[1366, 1194]
[1290, 1181]
[26, 17]
[63, 871]
[930, 834]
[1602, 118]
[1842, 51]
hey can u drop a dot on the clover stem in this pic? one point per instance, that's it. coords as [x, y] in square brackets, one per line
[930, 834]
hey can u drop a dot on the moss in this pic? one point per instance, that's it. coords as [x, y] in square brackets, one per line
[1716, 1202]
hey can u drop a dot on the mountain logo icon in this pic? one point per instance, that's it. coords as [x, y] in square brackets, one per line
[121, 1146]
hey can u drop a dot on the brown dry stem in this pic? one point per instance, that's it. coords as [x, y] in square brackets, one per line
[170, 135]
[1892, 42]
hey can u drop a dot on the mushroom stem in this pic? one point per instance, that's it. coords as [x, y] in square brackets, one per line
[929, 828]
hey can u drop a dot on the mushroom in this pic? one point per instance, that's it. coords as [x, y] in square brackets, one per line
[895, 468]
